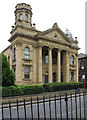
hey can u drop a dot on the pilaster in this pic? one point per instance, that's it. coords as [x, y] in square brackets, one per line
[18, 62]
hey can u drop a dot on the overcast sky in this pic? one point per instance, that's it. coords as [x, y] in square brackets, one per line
[67, 13]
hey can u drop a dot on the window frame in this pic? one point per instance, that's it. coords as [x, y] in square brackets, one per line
[46, 59]
[72, 73]
[26, 17]
[14, 53]
[26, 53]
[72, 60]
[26, 73]
[20, 16]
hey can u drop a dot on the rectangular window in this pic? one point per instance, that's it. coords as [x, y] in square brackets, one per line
[26, 73]
[14, 53]
[20, 16]
[72, 76]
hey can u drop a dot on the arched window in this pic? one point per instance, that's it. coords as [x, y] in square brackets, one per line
[14, 53]
[26, 17]
[46, 59]
[20, 16]
[26, 73]
[26, 53]
[72, 60]
[54, 77]
[72, 76]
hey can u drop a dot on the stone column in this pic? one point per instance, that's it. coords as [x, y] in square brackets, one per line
[76, 68]
[40, 64]
[50, 65]
[58, 66]
[34, 65]
[67, 67]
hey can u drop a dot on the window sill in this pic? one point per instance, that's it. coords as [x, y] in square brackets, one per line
[27, 59]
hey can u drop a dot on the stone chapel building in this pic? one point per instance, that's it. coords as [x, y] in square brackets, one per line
[38, 57]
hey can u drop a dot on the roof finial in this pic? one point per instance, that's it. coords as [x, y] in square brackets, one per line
[55, 25]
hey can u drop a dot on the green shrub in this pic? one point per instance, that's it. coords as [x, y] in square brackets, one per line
[21, 90]
[53, 87]
[37, 89]
[8, 77]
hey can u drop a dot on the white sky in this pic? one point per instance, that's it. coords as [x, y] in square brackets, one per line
[67, 13]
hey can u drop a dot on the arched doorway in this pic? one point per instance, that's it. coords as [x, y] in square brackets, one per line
[54, 77]
[46, 78]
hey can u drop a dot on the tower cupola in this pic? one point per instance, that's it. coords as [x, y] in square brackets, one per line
[23, 15]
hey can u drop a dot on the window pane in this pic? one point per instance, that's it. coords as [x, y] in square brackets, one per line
[26, 53]
[20, 16]
[26, 73]
[72, 60]
[46, 59]
[14, 53]
[72, 75]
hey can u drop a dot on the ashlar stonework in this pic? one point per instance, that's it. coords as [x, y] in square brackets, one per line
[39, 57]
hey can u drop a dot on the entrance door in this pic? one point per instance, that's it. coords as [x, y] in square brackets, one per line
[46, 78]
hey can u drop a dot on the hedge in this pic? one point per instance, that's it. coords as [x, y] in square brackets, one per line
[21, 90]
[37, 89]
[53, 87]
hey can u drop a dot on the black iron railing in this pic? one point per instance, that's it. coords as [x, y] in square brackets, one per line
[59, 106]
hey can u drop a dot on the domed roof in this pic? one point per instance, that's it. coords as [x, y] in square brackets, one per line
[68, 33]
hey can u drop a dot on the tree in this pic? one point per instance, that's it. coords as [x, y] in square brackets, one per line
[8, 77]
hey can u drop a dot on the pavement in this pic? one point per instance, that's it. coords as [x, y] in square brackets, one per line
[14, 99]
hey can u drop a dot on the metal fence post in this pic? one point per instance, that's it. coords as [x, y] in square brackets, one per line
[24, 109]
[31, 109]
[49, 107]
[38, 107]
[55, 108]
[17, 110]
[66, 100]
[10, 110]
[44, 108]
[60, 108]
[76, 103]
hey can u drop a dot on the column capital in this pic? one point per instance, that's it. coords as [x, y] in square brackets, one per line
[59, 49]
[39, 45]
[50, 47]
[67, 51]
[35, 46]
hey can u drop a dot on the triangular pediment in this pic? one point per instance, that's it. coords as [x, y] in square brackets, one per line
[55, 33]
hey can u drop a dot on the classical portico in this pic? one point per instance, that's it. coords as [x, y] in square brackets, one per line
[38, 57]
[47, 66]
